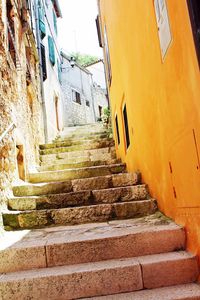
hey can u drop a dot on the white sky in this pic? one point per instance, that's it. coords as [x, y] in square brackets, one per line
[77, 29]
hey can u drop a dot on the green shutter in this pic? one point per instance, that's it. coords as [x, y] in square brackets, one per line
[41, 21]
[51, 50]
[55, 21]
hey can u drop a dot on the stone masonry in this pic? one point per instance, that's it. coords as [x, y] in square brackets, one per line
[86, 228]
[19, 95]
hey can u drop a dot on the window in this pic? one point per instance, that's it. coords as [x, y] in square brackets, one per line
[162, 19]
[87, 102]
[43, 60]
[194, 10]
[41, 16]
[51, 50]
[100, 111]
[55, 22]
[11, 31]
[117, 129]
[99, 31]
[107, 53]
[126, 127]
[76, 97]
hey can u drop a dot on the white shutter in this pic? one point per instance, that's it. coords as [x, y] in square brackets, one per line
[164, 31]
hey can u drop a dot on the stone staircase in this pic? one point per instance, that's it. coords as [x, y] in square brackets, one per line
[90, 229]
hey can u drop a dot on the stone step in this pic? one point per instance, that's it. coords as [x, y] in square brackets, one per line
[60, 175]
[101, 278]
[99, 182]
[78, 142]
[190, 291]
[50, 248]
[78, 215]
[85, 146]
[82, 164]
[111, 195]
[82, 137]
[106, 153]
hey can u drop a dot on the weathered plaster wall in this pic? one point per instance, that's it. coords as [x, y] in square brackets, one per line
[19, 103]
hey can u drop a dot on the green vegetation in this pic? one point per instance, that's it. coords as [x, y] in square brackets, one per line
[84, 59]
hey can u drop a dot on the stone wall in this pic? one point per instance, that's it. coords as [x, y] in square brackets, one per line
[100, 99]
[20, 102]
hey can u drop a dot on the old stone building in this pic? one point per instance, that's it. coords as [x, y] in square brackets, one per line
[21, 128]
[84, 99]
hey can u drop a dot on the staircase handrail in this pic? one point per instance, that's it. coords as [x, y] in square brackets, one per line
[9, 128]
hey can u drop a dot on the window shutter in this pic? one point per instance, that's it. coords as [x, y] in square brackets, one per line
[55, 22]
[43, 61]
[42, 26]
[51, 50]
[194, 11]
[164, 31]
[99, 31]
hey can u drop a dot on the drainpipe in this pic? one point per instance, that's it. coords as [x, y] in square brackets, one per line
[41, 72]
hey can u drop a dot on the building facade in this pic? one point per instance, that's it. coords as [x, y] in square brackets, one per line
[97, 69]
[84, 100]
[47, 13]
[152, 63]
[21, 123]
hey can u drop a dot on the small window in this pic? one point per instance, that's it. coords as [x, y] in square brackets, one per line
[43, 60]
[100, 111]
[76, 97]
[99, 31]
[41, 15]
[11, 31]
[117, 130]
[163, 25]
[51, 50]
[126, 127]
[87, 102]
[107, 53]
[194, 10]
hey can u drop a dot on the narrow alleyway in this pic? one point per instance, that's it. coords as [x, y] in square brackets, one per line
[91, 229]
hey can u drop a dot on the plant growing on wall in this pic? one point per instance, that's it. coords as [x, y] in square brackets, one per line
[84, 59]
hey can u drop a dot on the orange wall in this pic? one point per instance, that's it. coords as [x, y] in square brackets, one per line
[163, 104]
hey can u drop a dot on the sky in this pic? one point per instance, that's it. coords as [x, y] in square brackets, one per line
[77, 29]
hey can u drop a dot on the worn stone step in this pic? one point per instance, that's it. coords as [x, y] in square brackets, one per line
[48, 176]
[85, 243]
[190, 291]
[84, 146]
[99, 182]
[110, 195]
[82, 137]
[82, 164]
[78, 142]
[78, 215]
[101, 278]
[106, 153]
[73, 282]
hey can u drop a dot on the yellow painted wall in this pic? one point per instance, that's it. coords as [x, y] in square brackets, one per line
[163, 104]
